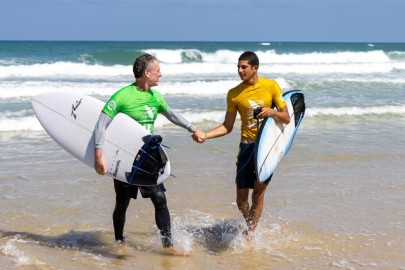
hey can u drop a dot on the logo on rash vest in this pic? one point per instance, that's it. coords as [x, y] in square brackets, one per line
[254, 105]
[111, 105]
[149, 112]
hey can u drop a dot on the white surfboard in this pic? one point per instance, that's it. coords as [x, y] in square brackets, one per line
[70, 118]
[274, 140]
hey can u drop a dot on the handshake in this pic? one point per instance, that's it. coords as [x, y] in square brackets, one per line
[199, 136]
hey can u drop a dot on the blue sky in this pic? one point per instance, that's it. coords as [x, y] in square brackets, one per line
[204, 20]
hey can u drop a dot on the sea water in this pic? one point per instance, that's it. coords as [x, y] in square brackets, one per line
[336, 201]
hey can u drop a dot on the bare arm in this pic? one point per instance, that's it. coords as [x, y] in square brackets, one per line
[225, 128]
[221, 130]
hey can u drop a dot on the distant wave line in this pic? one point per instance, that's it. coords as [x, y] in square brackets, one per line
[223, 56]
[78, 71]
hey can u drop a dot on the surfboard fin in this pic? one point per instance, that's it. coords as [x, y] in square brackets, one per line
[298, 104]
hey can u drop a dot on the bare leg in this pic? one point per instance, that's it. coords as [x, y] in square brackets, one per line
[242, 200]
[257, 205]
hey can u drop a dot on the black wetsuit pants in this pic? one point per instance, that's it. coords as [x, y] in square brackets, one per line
[162, 216]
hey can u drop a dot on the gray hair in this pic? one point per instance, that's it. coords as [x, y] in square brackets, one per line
[142, 63]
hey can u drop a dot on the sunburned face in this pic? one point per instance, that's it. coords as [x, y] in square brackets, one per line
[153, 74]
[246, 71]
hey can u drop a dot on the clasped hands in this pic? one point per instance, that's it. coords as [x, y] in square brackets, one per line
[199, 136]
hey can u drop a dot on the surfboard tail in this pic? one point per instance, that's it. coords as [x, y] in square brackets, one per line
[298, 104]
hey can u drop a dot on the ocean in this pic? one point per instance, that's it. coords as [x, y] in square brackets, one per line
[336, 201]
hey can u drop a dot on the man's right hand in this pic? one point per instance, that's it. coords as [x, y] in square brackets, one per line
[199, 136]
[99, 162]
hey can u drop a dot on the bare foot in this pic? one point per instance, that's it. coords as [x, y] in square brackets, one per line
[248, 237]
[175, 252]
[248, 234]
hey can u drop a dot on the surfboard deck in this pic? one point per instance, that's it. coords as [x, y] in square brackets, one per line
[274, 140]
[70, 118]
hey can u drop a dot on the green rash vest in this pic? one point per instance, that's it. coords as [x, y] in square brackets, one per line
[142, 106]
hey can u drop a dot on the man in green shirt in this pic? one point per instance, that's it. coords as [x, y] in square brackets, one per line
[142, 103]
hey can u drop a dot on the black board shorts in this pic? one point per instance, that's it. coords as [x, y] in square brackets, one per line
[125, 190]
[245, 167]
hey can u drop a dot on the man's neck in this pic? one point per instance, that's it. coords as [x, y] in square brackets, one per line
[252, 81]
[144, 86]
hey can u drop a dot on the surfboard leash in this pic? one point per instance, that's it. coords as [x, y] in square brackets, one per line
[151, 143]
[142, 157]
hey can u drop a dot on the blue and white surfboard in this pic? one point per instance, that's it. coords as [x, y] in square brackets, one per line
[274, 140]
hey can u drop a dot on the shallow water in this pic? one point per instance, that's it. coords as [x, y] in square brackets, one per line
[335, 204]
[336, 201]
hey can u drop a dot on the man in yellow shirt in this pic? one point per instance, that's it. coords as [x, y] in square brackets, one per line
[252, 93]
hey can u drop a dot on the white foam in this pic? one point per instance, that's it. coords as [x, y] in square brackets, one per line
[195, 88]
[216, 63]
[355, 111]
[18, 255]
[29, 123]
[168, 56]
[212, 88]
[363, 79]
[271, 56]
[33, 88]
[196, 116]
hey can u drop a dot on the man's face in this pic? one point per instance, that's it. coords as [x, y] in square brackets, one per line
[153, 74]
[246, 71]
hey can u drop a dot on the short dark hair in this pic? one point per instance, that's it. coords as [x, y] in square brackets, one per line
[142, 63]
[251, 57]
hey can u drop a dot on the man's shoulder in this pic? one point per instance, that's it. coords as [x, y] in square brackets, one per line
[155, 92]
[122, 93]
[237, 88]
[125, 89]
[269, 82]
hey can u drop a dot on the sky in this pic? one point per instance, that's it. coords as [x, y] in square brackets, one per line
[204, 20]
